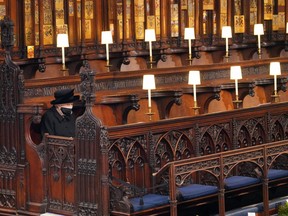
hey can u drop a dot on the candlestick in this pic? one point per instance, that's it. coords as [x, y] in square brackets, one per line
[63, 41]
[150, 51]
[259, 41]
[190, 49]
[236, 87]
[107, 52]
[226, 33]
[194, 92]
[106, 38]
[149, 84]
[259, 30]
[275, 69]
[275, 83]
[194, 79]
[236, 73]
[63, 57]
[149, 37]
[149, 98]
[226, 46]
[189, 34]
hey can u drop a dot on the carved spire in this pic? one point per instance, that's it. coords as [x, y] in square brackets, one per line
[87, 86]
[7, 33]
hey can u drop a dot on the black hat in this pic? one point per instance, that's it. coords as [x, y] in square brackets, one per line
[64, 96]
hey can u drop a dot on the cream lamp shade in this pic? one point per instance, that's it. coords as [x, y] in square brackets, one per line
[149, 82]
[287, 28]
[226, 32]
[106, 37]
[258, 29]
[235, 72]
[62, 40]
[189, 33]
[150, 35]
[194, 78]
[275, 68]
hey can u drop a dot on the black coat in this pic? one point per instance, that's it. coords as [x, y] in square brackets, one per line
[55, 124]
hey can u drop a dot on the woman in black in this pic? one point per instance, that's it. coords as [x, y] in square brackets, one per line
[59, 120]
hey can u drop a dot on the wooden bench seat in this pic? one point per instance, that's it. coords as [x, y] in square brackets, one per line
[148, 201]
[191, 191]
[234, 182]
[277, 173]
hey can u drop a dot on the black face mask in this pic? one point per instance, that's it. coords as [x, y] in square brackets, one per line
[66, 111]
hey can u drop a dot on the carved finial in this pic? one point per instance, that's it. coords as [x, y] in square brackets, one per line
[7, 33]
[87, 86]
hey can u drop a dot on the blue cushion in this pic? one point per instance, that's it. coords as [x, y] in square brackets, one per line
[277, 173]
[149, 201]
[239, 181]
[196, 190]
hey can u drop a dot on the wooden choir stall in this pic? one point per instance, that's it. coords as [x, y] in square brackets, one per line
[207, 135]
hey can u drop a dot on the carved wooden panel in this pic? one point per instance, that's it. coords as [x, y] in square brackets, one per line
[61, 174]
[11, 88]
[215, 138]
[278, 127]
[127, 160]
[173, 145]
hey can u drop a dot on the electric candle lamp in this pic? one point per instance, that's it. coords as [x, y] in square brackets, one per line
[63, 41]
[149, 37]
[275, 70]
[149, 84]
[106, 38]
[236, 74]
[194, 79]
[259, 30]
[189, 34]
[226, 33]
[287, 28]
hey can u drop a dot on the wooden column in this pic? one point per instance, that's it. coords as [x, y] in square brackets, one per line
[41, 31]
[82, 27]
[72, 24]
[221, 193]
[124, 18]
[104, 161]
[265, 187]
[246, 12]
[286, 11]
[229, 14]
[164, 5]
[173, 201]
[260, 11]
[199, 21]
[101, 21]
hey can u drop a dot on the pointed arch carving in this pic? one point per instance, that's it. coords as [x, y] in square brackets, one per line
[116, 163]
[137, 165]
[250, 132]
[173, 145]
[279, 127]
[244, 139]
[258, 135]
[128, 160]
[215, 139]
